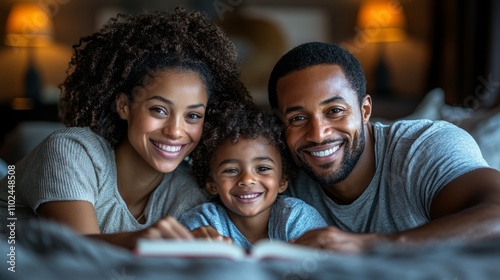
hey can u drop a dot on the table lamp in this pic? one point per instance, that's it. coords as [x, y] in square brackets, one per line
[382, 22]
[28, 26]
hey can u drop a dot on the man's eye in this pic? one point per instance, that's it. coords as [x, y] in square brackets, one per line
[335, 111]
[296, 119]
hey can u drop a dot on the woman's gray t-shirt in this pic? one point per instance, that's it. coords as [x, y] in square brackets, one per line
[78, 164]
[413, 160]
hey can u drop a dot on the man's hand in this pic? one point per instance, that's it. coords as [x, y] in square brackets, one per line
[334, 239]
[210, 233]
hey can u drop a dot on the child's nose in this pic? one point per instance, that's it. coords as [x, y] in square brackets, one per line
[247, 179]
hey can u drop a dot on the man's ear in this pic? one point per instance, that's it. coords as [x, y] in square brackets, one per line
[366, 108]
[283, 184]
[210, 186]
[122, 106]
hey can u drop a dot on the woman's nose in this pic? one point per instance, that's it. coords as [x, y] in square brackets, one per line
[174, 127]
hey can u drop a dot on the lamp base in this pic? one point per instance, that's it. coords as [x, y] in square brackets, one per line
[32, 80]
[382, 75]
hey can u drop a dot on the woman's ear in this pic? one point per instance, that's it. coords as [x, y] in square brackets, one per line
[122, 106]
[283, 184]
[210, 185]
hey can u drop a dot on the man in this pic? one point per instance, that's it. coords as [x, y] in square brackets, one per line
[411, 182]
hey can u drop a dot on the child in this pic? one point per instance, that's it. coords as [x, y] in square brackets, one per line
[244, 161]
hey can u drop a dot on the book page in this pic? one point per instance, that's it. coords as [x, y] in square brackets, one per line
[202, 248]
[189, 248]
[266, 249]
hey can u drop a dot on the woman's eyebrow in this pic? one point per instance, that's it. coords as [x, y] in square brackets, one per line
[161, 98]
[166, 101]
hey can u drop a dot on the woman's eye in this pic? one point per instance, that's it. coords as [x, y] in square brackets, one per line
[194, 116]
[158, 111]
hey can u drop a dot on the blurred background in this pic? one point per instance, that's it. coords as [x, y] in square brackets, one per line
[407, 47]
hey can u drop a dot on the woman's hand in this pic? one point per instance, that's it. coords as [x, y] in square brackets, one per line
[166, 228]
[208, 232]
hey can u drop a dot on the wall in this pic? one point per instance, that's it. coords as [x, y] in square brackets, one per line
[336, 23]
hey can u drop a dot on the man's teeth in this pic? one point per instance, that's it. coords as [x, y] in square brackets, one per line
[325, 153]
[247, 196]
[171, 149]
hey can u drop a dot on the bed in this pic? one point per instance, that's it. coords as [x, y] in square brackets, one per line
[45, 250]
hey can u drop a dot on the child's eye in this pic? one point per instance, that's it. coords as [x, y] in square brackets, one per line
[263, 168]
[230, 170]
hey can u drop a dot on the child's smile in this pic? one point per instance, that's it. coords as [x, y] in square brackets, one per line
[247, 176]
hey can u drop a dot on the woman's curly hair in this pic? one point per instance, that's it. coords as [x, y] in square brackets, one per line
[240, 121]
[128, 49]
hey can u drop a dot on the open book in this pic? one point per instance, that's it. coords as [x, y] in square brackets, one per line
[202, 248]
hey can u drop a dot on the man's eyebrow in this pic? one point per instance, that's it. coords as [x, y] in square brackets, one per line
[292, 109]
[333, 99]
[324, 102]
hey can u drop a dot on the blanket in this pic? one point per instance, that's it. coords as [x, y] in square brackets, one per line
[45, 250]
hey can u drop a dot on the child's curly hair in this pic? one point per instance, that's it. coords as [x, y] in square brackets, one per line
[241, 121]
[119, 58]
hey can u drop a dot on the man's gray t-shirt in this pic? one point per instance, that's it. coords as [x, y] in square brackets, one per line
[76, 164]
[289, 219]
[413, 160]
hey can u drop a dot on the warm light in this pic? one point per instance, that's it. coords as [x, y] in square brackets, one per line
[28, 25]
[22, 103]
[382, 20]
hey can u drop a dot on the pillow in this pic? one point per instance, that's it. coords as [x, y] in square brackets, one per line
[24, 137]
[485, 128]
[430, 107]
[483, 125]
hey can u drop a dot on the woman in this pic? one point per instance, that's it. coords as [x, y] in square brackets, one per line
[135, 100]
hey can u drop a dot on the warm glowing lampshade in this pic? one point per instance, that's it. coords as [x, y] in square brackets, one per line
[28, 25]
[382, 20]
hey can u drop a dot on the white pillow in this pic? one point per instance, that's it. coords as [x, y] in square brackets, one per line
[485, 128]
[483, 125]
[430, 107]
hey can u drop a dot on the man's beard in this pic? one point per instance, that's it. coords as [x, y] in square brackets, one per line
[349, 160]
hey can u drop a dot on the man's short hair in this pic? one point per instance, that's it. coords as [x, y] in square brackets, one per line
[317, 53]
